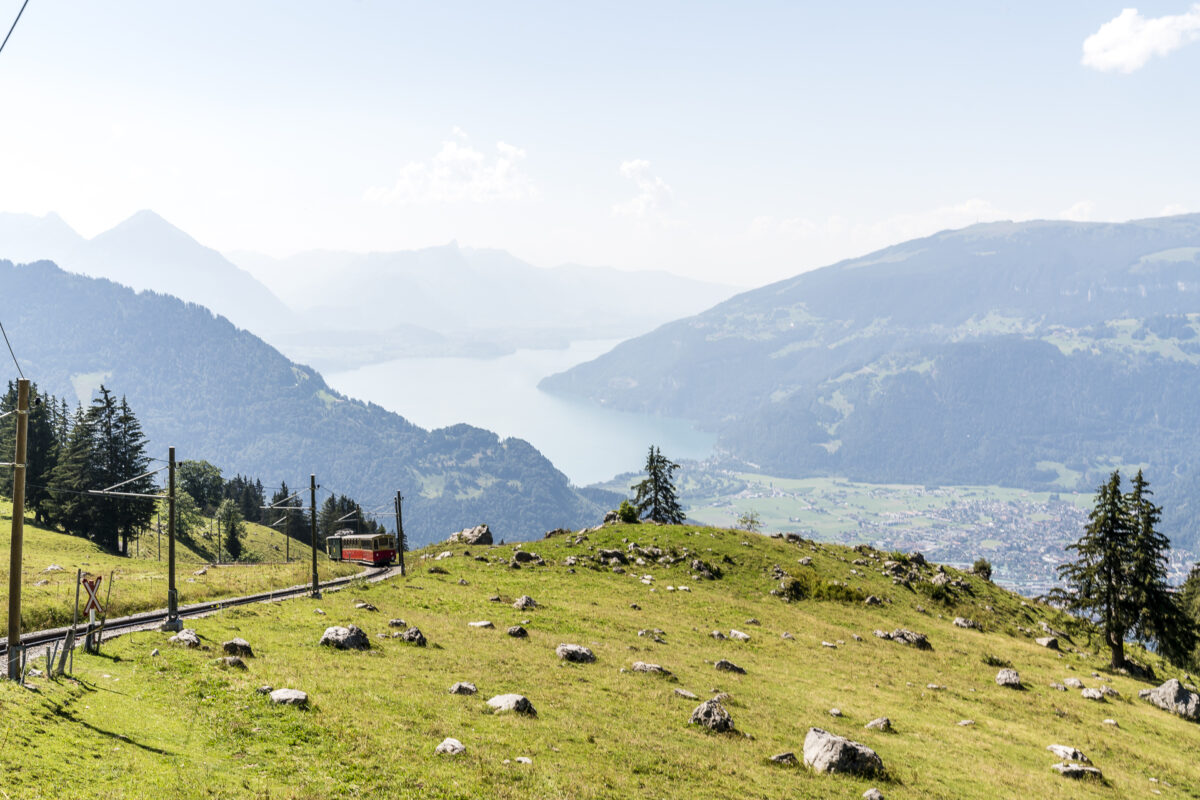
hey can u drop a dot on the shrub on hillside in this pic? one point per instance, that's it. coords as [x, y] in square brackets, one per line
[627, 513]
[983, 568]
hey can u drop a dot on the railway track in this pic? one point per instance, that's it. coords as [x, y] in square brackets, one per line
[36, 640]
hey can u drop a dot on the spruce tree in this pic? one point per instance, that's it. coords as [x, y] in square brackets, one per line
[76, 473]
[133, 514]
[656, 499]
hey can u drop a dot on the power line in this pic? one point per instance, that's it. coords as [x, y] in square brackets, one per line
[6, 341]
[10, 31]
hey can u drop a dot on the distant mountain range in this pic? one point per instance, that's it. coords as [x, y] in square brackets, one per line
[1039, 354]
[222, 394]
[338, 310]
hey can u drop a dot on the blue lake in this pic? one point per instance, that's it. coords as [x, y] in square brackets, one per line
[587, 442]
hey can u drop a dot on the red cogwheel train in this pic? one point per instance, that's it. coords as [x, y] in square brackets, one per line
[375, 549]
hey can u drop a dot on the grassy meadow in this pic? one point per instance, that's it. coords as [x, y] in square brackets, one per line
[179, 724]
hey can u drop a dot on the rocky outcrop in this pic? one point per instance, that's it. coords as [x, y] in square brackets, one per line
[289, 697]
[480, 534]
[516, 703]
[185, 638]
[524, 603]
[412, 636]
[1008, 677]
[1173, 697]
[345, 638]
[827, 752]
[575, 653]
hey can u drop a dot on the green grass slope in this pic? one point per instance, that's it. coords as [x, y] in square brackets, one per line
[179, 724]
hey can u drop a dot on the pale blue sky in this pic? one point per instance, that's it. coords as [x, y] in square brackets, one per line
[740, 142]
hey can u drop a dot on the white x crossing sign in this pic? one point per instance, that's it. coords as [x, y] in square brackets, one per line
[92, 587]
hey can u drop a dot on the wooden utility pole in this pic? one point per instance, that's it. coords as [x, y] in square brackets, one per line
[173, 622]
[18, 534]
[312, 491]
[400, 543]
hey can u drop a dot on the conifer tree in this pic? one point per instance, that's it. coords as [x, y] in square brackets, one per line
[656, 499]
[1119, 575]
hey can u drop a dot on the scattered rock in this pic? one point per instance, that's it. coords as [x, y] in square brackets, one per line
[718, 635]
[185, 638]
[524, 760]
[1077, 771]
[882, 724]
[318, 611]
[1068, 753]
[712, 715]
[481, 624]
[238, 647]
[480, 534]
[1073, 683]
[494, 599]
[413, 636]
[53, 568]
[575, 653]
[966, 723]
[154, 652]
[517, 632]
[264, 689]
[1111, 722]
[201, 571]
[233, 662]
[872, 600]
[525, 602]
[963, 622]
[463, 687]
[786, 635]
[437, 571]
[635, 606]
[1008, 677]
[829, 645]
[741, 637]
[365, 607]
[686, 694]
[642, 666]
[345, 638]
[526, 558]
[753, 621]
[729, 666]
[873, 794]
[463, 582]
[397, 623]
[1092, 694]
[1058, 687]
[917, 640]
[450, 747]
[1173, 697]
[517, 703]
[1049, 642]
[827, 752]
[289, 697]
[835, 712]
[788, 759]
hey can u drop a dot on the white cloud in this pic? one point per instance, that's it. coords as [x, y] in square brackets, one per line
[459, 173]
[1127, 41]
[653, 193]
[1078, 212]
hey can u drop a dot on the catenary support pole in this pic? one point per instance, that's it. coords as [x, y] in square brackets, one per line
[312, 489]
[15, 555]
[401, 544]
[173, 622]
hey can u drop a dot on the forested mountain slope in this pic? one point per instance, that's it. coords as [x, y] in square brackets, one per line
[222, 394]
[1035, 354]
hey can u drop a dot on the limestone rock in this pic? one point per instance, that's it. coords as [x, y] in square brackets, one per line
[463, 687]
[1073, 683]
[480, 534]
[397, 623]
[741, 637]
[517, 632]
[525, 602]
[517, 703]
[684, 693]
[1173, 697]
[642, 666]
[413, 636]
[365, 606]
[575, 653]
[185, 638]
[882, 724]
[872, 600]
[718, 635]
[481, 624]
[233, 662]
[827, 752]
[729, 666]
[1008, 677]
[963, 622]
[1092, 694]
[1049, 642]
[238, 647]
[788, 759]
[289, 697]
[873, 794]
[345, 638]
[712, 715]
[450, 747]
[1068, 753]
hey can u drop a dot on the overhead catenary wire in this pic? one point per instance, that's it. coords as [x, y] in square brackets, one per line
[2, 331]
[10, 33]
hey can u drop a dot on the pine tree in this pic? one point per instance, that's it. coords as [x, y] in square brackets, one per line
[130, 461]
[656, 499]
[1119, 576]
[229, 520]
[42, 449]
[75, 473]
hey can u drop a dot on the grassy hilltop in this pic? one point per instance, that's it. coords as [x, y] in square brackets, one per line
[180, 725]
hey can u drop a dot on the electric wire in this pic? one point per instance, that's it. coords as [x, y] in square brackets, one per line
[6, 341]
[10, 33]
